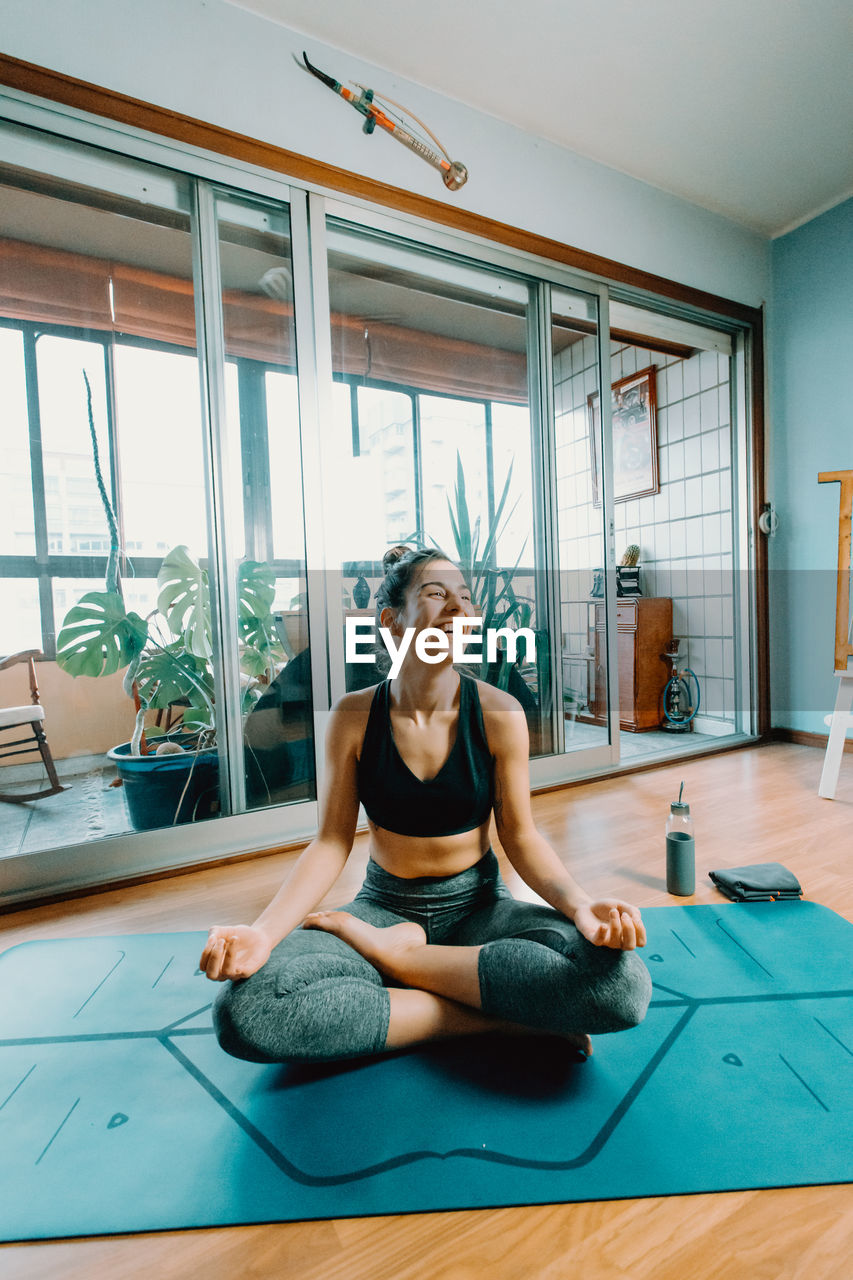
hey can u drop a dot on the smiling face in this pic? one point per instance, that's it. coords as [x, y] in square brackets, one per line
[437, 594]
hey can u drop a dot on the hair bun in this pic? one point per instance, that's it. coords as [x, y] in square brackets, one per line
[392, 555]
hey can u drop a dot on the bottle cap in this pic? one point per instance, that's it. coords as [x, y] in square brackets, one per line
[678, 807]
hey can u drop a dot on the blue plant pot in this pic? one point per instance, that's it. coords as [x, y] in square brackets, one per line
[156, 787]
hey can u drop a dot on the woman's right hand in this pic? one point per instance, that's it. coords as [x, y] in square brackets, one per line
[234, 951]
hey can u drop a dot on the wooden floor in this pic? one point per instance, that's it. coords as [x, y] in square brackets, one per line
[753, 805]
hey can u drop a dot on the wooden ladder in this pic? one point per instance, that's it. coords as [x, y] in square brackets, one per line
[842, 717]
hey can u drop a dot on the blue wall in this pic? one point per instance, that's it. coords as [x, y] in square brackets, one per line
[811, 430]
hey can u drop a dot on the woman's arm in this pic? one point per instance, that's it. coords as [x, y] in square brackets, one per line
[237, 951]
[606, 922]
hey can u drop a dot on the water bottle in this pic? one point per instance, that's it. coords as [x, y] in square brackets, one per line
[680, 850]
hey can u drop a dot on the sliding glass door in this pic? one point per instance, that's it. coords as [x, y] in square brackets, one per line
[445, 385]
[225, 398]
[97, 312]
[258, 451]
[584, 578]
[152, 550]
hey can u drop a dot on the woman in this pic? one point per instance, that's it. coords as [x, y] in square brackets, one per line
[434, 944]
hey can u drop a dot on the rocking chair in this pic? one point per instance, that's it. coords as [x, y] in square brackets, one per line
[32, 717]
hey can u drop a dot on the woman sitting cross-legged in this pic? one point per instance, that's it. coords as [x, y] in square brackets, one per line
[434, 944]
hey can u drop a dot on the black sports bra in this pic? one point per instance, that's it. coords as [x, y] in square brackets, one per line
[459, 798]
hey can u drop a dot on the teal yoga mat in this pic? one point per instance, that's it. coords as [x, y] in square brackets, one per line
[119, 1112]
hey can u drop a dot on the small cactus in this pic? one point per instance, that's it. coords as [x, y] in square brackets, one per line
[631, 555]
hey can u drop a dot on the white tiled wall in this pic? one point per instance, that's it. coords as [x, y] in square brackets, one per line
[684, 532]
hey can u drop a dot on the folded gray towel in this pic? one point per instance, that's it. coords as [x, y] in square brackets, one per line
[761, 882]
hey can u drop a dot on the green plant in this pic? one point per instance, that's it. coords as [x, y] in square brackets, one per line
[167, 656]
[492, 591]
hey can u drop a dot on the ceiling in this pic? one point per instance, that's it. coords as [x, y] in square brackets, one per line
[744, 107]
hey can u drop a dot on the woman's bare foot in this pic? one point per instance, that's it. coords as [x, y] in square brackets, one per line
[394, 952]
[382, 947]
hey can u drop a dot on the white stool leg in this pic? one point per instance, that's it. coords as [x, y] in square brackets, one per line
[840, 721]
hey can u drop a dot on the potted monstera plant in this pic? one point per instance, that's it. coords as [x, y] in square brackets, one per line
[171, 773]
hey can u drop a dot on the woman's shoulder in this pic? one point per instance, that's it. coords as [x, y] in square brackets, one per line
[352, 709]
[357, 699]
[503, 715]
[495, 699]
[348, 722]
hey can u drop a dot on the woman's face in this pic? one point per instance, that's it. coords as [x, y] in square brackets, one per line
[437, 594]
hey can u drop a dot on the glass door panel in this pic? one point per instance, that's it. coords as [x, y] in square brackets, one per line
[678, 402]
[452, 446]
[268, 538]
[99, 365]
[582, 478]
[441, 436]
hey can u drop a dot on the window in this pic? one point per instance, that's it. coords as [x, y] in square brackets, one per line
[456, 415]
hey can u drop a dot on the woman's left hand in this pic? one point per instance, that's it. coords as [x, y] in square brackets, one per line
[611, 923]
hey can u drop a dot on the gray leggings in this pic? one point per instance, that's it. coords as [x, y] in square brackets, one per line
[318, 1000]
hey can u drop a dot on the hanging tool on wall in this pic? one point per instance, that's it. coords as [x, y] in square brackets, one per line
[454, 174]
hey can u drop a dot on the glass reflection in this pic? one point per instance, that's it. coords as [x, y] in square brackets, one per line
[262, 406]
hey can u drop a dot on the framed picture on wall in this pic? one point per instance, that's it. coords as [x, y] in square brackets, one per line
[635, 437]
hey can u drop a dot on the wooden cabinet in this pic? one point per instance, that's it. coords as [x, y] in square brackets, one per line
[644, 629]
